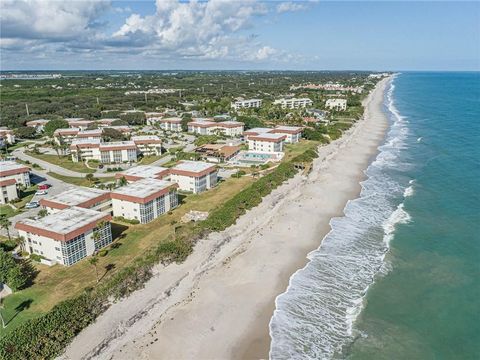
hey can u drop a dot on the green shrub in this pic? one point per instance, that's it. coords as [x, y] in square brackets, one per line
[103, 252]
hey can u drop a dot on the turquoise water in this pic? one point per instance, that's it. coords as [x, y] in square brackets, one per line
[398, 275]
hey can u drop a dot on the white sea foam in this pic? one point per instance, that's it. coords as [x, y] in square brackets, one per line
[315, 317]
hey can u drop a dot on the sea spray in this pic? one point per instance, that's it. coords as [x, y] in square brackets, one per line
[315, 317]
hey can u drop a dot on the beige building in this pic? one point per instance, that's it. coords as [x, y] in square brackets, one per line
[11, 170]
[293, 103]
[38, 124]
[293, 133]
[144, 200]
[143, 172]
[8, 189]
[148, 144]
[246, 104]
[107, 153]
[217, 153]
[194, 176]
[171, 124]
[336, 104]
[67, 236]
[65, 136]
[267, 143]
[88, 198]
[207, 127]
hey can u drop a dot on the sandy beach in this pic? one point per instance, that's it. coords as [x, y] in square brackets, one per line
[218, 303]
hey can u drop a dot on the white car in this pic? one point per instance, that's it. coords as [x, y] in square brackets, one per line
[32, 205]
[41, 192]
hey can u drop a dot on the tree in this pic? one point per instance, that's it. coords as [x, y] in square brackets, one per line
[111, 134]
[53, 125]
[94, 261]
[20, 242]
[5, 224]
[25, 132]
[42, 213]
[1, 316]
[122, 181]
[89, 177]
[119, 123]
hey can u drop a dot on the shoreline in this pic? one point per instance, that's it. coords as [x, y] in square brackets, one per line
[218, 303]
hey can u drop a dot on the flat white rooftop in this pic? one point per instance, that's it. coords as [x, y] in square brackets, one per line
[117, 143]
[144, 171]
[271, 136]
[91, 132]
[67, 220]
[145, 137]
[78, 141]
[76, 196]
[259, 130]
[73, 119]
[288, 128]
[192, 166]
[10, 165]
[143, 188]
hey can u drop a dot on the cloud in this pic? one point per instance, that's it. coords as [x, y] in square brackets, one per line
[291, 6]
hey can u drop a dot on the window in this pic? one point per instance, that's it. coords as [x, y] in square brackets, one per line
[105, 237]
[160, 203]
[74, 250]
[57, 248]
[173, 199]
[146, 212]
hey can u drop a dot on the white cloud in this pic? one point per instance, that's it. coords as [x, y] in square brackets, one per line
[291, 6]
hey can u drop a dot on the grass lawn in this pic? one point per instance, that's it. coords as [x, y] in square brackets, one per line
[57, 283]
[8, 211]
[78, 180]
[25, 196]
[292, 150]
[147, 160]
[63, 161]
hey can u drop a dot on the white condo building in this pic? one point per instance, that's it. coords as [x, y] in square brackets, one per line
[107, 153]
[87, 198]
[38, 124]
[143, 172]
[207, 127]
[11, 170]
[7, 136]
[336, 104]
[8, 189]
[246, 104]
[292, 134]
[293, 103]
[148, 144]
[66, 236]
[171, 124]
[144, 200]
[194, 176]
[266, 143]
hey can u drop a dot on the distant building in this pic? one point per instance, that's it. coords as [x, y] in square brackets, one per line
[65, 136]
[194, 176]
[171, 124]
[267, 143]
[255, 132]
[38, 124]
[207, 127]
[293, 103]
[217, 152]
[66, 236]
[105, 122]
[107, 153]
[292, 133]
[8, 190]
[7, 136]
[144, 200]
[148, 144]
[79, 123]
[336, 104]
[143, 172]
[246, 104]
[11, 170]
[87, 198]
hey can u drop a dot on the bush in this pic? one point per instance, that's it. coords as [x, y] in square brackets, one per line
[103, 252]
[36, 257]
[128, 221]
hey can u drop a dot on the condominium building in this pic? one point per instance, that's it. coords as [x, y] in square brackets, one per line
[246, 104]
[65, 136]
[38, 124]
[217, 152]
[11, 170]
[207, 127]
[267, 142]
[90, 134]
[171, 124]
[79, 123]
[66, 236]
[336, 104]
[148, 144]
[88, 198]
[107, 153]
[293, 103]
[8, 190]
[143, 172]
[194, 176]
[256, 132]
[7, 136]
[144, 200]
[292, 133]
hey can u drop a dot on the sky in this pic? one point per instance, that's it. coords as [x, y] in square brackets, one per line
[239, 35]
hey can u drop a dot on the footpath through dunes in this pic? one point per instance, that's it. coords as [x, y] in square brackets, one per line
[218, 303]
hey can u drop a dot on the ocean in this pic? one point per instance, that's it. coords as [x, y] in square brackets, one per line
[398, 277]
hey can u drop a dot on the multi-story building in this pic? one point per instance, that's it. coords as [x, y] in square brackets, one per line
[148, 144]
[11, 170]
[79, 123]
[107, 153]
[256, 132]
[194, 176]
[8, 190]
[217, 152]
[88, 198]
[336, 104]
[85, 149]
[207, 127]
[7, 136]
[292, 133]
[90, 134]
[293, 103]
[171, 124]
[143, 172]
[144, 200]
[65, 136]
[66, 236]
[246, 104]
[267, 143]
[38, 124]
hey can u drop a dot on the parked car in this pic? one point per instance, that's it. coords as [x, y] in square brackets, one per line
[32, 205]
[41, 192]
[43, 187]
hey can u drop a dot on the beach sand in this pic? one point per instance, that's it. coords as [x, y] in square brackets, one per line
[218, 303]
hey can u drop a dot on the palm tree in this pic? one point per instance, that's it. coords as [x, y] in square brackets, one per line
[5, 224]
[122, 181]
[94, 261]
[1, 316]
[20, 242]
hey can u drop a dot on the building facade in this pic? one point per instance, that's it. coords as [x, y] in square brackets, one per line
[67, 236]
[207, 127]
[336, 104]
[87, 198]
[7, 136]
[194, 176]
[293, 103]
[143, 172]
[107, 153]
[267, 143]
[144, 200]
[292, 134]
[11, 170]
[148, 144]
[171, 124]
[38, 124]
[246, 104]
[8, 190]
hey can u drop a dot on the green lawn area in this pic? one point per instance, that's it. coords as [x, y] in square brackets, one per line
[78, 180]
[292, 150]
[8, 211]
[147, 160]
[63, 161]
[57, 283]
[25, 196]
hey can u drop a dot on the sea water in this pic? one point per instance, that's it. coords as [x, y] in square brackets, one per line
[398, 277]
